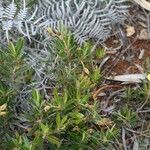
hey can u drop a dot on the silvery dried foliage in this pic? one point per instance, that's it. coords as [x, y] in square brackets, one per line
[87, 19]
[12, 18]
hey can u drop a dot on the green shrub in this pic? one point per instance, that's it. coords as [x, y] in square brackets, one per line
[70, 119]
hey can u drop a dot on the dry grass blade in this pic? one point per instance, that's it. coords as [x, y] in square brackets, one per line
[123, 139]
[136, 144]
[143, 3]
[97, 92]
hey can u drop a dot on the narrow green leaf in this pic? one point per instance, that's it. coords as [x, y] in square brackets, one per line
[36, 97]
[53, 140]
[45, 129]
[19, 46]
[58, 120]
[76, 115]
[12, 49]
[64, 120]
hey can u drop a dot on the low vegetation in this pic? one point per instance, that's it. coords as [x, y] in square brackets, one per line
[70, 118]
